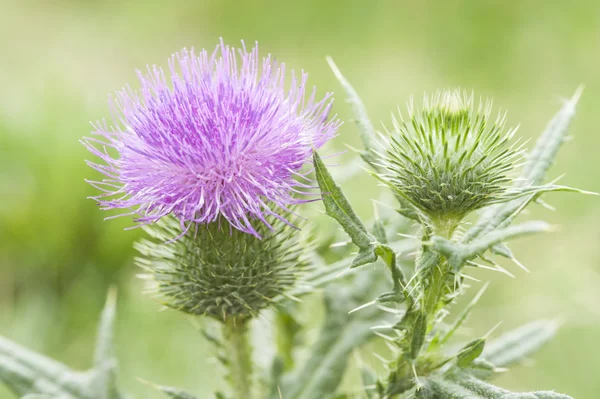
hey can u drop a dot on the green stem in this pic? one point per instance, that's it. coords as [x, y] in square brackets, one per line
[435, 289]
[239, 355]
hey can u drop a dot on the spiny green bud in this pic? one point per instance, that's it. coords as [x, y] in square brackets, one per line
[449, 158]
[220, 271]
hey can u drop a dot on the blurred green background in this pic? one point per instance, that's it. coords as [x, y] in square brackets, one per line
[61, 59]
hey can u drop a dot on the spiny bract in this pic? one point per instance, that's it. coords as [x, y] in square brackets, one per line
[220, 271]
[220, 135]
[449, 158]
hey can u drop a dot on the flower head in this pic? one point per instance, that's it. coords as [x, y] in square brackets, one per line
[221, 272]
[221, 136]
[449, 158]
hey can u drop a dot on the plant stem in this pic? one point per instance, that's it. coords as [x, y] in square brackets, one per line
[240, 363]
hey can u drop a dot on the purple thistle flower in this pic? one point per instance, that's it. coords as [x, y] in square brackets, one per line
[224, 138]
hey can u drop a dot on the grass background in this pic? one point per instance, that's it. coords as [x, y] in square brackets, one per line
[61, 59]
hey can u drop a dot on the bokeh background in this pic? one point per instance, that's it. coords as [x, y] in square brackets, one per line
[61, 59]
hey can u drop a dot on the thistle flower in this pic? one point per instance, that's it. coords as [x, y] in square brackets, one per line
[449, 158]
[222, 272]
[224, 138]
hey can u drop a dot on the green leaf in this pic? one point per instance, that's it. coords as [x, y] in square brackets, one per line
[105, 363]
[517, 345]
[338, 207]
[367, 133]
[172, 392]
[365, 127]
[465, 386]
[369, 382]
[26, 372]
[534, 172]
[554, 135]
[470, 352]
[176, 393]
[462, 316]
[287, 334]
[457, 253]
[340, 334]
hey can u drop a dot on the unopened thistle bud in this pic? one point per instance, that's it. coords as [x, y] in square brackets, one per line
[219, 271]
[449, 158]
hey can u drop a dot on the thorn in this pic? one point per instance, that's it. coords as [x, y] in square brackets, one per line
[382, 335]
[382, 327]
[492, 329]
[470, 278]
[340, 244]
[520, 265]
[408, 236]
[366, 305]
[381, 358]
[340, 274]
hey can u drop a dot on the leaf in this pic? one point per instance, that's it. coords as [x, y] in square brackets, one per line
[369, 382]
[463, 316]
[26, 372]
[470, 352]
[175, 393]
[287, 334]
[104, 381]
[517, 345]
[457, 253]
[367, 133]
[534, 172]
[554, 135]
[464, 386]
[365, 127]
[338, 207]
[340, 334]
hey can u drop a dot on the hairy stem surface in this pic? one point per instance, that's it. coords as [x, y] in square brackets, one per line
[240, 362]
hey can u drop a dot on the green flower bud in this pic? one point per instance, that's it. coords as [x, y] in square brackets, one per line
[219, 271]
[449, 158]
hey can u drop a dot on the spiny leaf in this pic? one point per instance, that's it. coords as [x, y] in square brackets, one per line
[340, 334]
[172, 392]
[365, 127]
[554, 135]
[470, 352]
[369, 381]
[457, 253]
[463, 315]
[338, 207]
[367, 133]
[104, 381]
[517, 345]
[465, 386]
[534, 172]
[26, 372]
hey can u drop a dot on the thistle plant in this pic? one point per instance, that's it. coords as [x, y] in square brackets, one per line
[212, 166]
